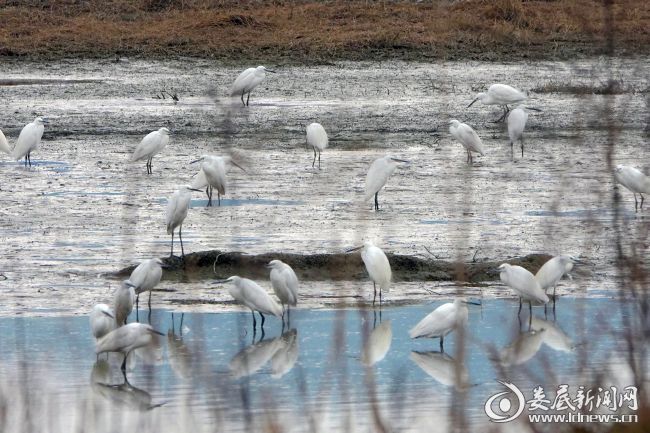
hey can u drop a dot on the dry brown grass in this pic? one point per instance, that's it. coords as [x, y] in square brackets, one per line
[318, 31]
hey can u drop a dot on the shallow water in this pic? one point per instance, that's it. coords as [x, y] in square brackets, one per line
[318, 376]
[83, 211]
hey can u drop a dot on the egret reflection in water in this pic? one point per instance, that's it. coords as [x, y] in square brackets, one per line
[252, 358]
[523, 348]
[442, 368]
[378, 344]
[123, 394]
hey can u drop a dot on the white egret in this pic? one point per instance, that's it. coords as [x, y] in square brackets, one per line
[467, 137]
[125, 339]
[317, 139]
[145, 277]
[102, 320]
[553, 270]
[176, 212]
[4, 144]
[441, 321]
[634, 180]
[151, 145]
[378, 344]
[28, 140]
[287, 354]
[516, 124]
[502, 95]
[285, 284]
[250, 294]
[123, 302]
[523, 283]
[377, 266]
[214, 169]
[247, 81]
[525, 346]
[378, 174]
[442, 368]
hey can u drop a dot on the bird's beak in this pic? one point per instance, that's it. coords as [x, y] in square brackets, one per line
[46, 121]
[237, 165]
[194, 189]
[221, 281]
[268, 266]
[353, 249]
[534, 109]
[270, 70]
[108, 314]
[165, 266]
[198, 160]
[400, 160]
[157, 332]
[472, 303]
[472, 103]
[130, 285]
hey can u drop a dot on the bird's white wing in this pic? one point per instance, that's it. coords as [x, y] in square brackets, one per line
[199, 180]
[633, 179]
[507, 94]
[316, 136]
[28, 140]
[550, 273]
[469, 138]
[516, 123]
[4, 144]
[378, 174]
[242, 82]
[377, 266]
[149, 145]
[256, 298]
[439, 322]
[176, 209]
[116, 339]
[139, 274]
[215, 173]
[291, 281]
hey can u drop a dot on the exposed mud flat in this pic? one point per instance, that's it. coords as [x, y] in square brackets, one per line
[83, 211]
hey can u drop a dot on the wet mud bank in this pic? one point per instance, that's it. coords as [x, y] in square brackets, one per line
[337, 267]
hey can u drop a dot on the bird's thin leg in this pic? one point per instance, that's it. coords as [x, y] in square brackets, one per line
[25, 160]
[377, 200]
[29, 158]
[442, 340]
[247, 98]
[522, 146]
[172, 252]
[150, 299]
[254, 321]
[379, 298]
[319, 167]
[530, 308]
[519, 312]
[554, 310]
[374, 288]
[512, 150]
[636, 203]
[642, 199]
[181, 328]
[554, 287]
[137, 301]
[149, 317]
[530, 319]
[180, 236]
[314, 161]
[242, 98]
[262, 325]
[207, 192]
[468, 156]
[289, 316]
[218, 198]
[374, 319]
[545, 313]
[124, 363]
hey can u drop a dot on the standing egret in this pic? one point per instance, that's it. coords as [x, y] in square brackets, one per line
[123, 302]
[523, 283]
[177, 208]
[634, 180]
[28, 140]
[151, 145]
[145, 277]
[553, 270]
[285, 284]
[467, 137]
[102, 320]
[250, 294]
[377, 266]
[317, 139]
[247, 81]
[125, 339]
[441, 321]
[214, 169]
[502, 95]
[378, 174]
[4, 144]
[516, 124]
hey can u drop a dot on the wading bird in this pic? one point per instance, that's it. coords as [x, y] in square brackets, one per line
[123, 302]
[467, 137]
[523, 283]
[247, 81]
[102, 320]
[378, 174]
[502, 95]
[176, 212]
[441, 321]
[317, 139]
[516, 124]
[553, 270]
[125, 339]
[213, 175]
[285, 284]
[151, 145]
[251, 295]
[4, 144]
[377, 266]
[145, 277]
[28, 140]
[634, 180]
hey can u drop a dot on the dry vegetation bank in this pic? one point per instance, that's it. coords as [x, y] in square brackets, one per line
[312, 32]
